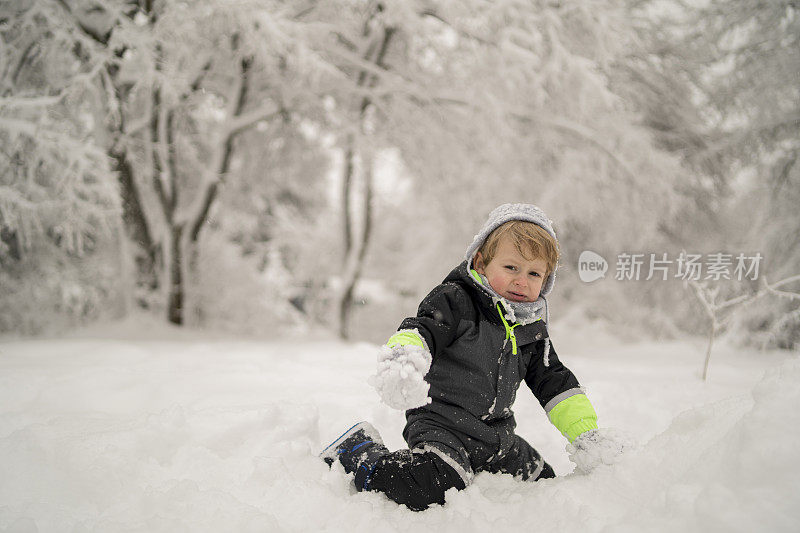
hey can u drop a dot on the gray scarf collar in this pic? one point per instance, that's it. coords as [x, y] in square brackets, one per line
[521, 313]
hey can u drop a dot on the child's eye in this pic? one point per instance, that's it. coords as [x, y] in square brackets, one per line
[535, 274]
[511, 267]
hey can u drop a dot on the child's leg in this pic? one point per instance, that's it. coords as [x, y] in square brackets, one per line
[415, 479]
[522, 460]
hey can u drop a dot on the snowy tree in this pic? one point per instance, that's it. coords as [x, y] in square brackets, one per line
[180, 84]
[59, 203]
[522, 109]
[264, 239]
[718, 82]
[756, 94]
[471, 104]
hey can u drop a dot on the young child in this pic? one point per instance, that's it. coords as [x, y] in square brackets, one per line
[474, 339]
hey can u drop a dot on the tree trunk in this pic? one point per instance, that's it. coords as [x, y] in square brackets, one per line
[348, 259]
[711, 334]
[354, 260]
[136, 225]
[347, 187]
[175, 298]
[355, 252]
[220, 168]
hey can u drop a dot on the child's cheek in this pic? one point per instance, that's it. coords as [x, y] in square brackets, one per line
[495, 284]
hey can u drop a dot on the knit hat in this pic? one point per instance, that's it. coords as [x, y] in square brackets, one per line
[505, 213]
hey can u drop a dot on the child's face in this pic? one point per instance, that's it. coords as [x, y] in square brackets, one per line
[511, 275]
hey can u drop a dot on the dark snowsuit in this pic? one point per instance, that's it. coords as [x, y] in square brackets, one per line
[474, 376]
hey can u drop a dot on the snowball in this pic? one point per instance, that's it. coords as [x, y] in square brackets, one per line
[400, 378]
[597, 447]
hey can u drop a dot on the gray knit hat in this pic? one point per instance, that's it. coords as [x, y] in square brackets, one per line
[505, 213]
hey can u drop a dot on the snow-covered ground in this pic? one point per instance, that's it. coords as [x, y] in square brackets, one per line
[133, 428]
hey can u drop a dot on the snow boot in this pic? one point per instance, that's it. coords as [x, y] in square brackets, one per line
[359, 450]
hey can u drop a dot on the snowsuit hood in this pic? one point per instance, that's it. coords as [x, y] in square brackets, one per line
[506, 213]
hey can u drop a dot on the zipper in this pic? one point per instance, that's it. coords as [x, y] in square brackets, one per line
[509, 331]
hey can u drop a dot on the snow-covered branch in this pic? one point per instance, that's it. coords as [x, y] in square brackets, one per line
[460, 30]
[773, 289]
[239, 123]
[21, 102]
[707, 298]
[579, 132]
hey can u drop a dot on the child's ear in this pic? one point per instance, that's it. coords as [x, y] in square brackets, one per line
[478, 263]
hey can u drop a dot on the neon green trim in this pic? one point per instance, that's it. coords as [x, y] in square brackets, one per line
[477, 276]
[509, 330]
[573, 416]
[405, 338]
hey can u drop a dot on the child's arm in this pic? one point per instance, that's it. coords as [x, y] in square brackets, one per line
[406, 358]
[570, 411]
[438, 316]
[561, 396]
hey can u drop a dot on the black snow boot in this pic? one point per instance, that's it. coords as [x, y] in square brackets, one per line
[359, 450]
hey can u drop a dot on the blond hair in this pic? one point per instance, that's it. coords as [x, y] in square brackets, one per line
[530, 240]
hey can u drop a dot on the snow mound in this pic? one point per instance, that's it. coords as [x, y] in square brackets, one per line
[746, 478]
[726, 466]
[400, 378]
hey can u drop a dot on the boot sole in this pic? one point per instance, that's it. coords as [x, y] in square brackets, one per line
[326, 454]
[369, 430]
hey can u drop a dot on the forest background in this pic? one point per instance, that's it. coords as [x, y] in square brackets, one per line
[275, 168]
